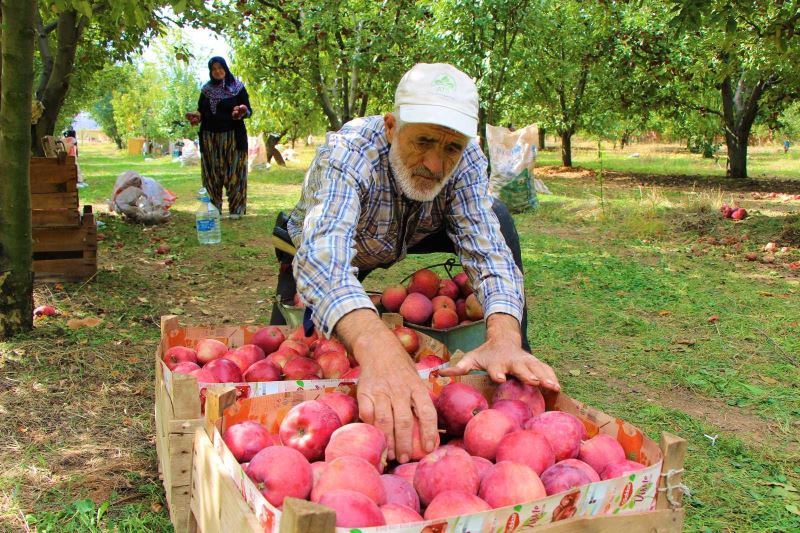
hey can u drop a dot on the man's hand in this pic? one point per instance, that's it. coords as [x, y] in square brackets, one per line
[502, 354]
[390, 392]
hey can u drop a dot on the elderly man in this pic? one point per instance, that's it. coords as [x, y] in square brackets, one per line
[412, 181]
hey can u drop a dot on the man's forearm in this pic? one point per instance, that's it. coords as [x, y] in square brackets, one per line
[362, 331]
[503, 327]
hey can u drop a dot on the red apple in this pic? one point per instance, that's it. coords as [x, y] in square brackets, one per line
[187, 367]
[473, 308]
[353, 509]
[563, 431]
[264, 370]
[455, 503]
[481, 465]
[334, 364]
[245, 356]
[406, 471]
[399, 491]
[516, 409]
[739, 214]
[299, 335]
[461, 310]
[246, 439]
[443, 302]
[445, 468]
[399, 514]
[280, 472]
[425, 282]
[620, 469]
[588, 470]
[457, 404]
[281, 357]
[346, 407]
[416, 308]
[308, 427]
[485, 430]
[204, 375]
[302, 368]
[45, 310]
[516, 390]
[361, 440]
[179, 354]
[528, 448]
[328, 345]
[561, 477]
[298, 346]
[350, 473]
[268, 338]
[417, 450]
[508, 483]
[317, 468]
[601, 451]
[459, 443]
[210, 349]
[408, 338]
[444, 319]
[225, 370]
[464, 286]
[392, 298]
[449, 288]
[429, 361]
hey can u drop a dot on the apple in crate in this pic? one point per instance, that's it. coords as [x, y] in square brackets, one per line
[204, 375]
[246, 439]
[577, 463]
[443, 302]
[394, 513]
[209, 350]
[408, 338]
[528, 448]
[328, 345]
[516, 390]
[461, 310]
[317, 468]
[417, 450]
[445, 468]
[187, 367]
[179, 354]
[444, 318]
[334, 364]
[620, 469]
[481, 465]
[245, 356]
[299, 334]
[353, 509]
[457, 404]
[562, 430]
[561, 477]
[516, 409]
[302, 368]
[268, 339]
[425, 282]
[225, 370]
[346, 407]
[280, 472]
[485, 430]
[264, 370]
[282, 356]
[416, 308]
[351, 473]
[400, 491]
[361, 440]
[449, 288]
[473, 308]
[299, 347]
[406, 471]
[429, 361]
[463, 283]
[601, 451]
[392, 298]
[508, 483]
[455, 503]
[308, 427]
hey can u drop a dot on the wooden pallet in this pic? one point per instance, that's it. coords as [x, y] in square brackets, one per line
[178, 413]
[64, 239]
[217, 504]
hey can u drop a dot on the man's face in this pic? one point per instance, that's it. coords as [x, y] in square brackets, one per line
[423, 156]
[217, 72]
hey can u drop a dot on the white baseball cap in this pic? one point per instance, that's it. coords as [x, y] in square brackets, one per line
[438, 93]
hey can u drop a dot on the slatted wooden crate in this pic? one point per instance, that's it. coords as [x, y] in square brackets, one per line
[64, 239]
[178, 406]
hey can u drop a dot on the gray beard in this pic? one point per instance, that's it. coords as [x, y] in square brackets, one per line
[405, 179]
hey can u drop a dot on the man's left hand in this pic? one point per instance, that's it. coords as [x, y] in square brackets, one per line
[502, 354]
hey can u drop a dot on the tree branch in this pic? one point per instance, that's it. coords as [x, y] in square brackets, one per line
[45, 52]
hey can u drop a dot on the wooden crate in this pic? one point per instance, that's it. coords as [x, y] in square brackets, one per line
[178, 410]
[64, 239]
[217, 503]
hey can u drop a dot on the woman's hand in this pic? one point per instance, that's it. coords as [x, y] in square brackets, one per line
[239, 112]
[194, 117]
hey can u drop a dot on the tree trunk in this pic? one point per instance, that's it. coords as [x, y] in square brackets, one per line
[16, 247]
[68, 33]
[739, 110]
[542, 134]
[566, 148]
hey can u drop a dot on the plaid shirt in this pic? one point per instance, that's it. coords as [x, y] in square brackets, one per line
[352, 216]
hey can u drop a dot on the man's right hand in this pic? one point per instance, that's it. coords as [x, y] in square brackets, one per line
[390, 392]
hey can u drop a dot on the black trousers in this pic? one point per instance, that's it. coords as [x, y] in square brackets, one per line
[434, 243]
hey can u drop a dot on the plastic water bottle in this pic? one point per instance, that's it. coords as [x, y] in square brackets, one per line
[207, 220]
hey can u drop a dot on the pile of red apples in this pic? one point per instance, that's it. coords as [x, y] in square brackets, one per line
[511, 453]
[271, 356]
[428, 300]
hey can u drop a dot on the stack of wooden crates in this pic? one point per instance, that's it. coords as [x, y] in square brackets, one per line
[64, 238]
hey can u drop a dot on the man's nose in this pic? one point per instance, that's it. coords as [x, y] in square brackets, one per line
[433, 162]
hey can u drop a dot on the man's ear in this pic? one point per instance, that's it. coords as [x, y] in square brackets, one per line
[389, 123]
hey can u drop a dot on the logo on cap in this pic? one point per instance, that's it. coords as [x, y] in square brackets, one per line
[444, 84]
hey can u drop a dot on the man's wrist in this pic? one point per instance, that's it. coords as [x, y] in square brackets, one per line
[502, 328]
[362, 330]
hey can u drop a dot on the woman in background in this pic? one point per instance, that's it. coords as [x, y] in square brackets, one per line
[221, 110]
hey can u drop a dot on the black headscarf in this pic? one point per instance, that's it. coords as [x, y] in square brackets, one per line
[219, 90]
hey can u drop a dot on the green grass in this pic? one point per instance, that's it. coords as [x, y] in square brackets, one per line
[620, 291]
